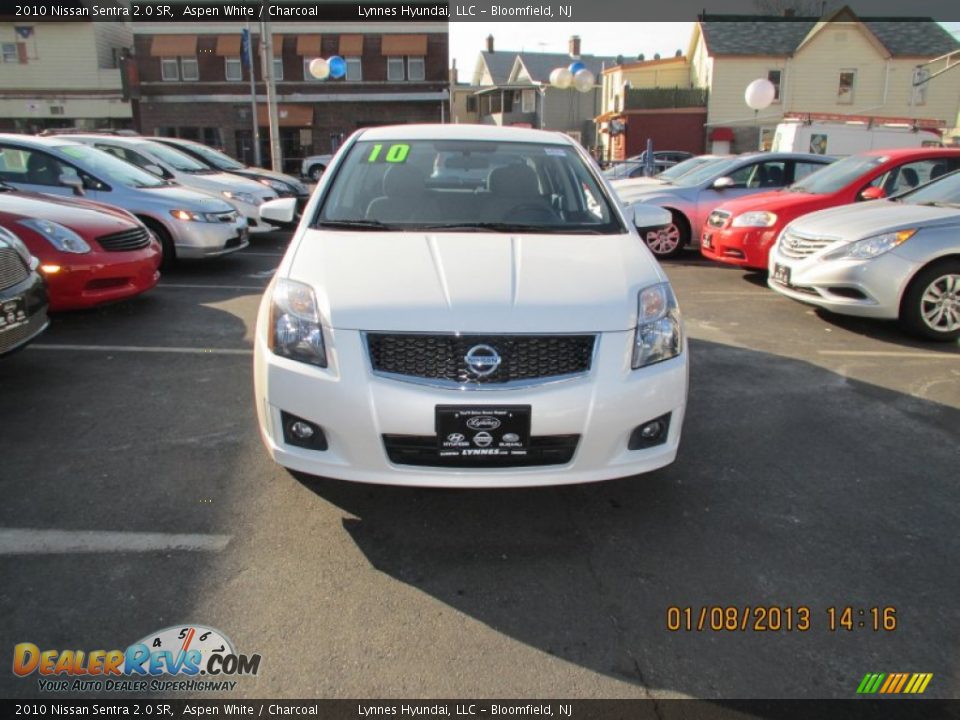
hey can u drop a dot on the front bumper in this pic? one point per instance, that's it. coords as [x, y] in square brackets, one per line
[32, 293]
[205, 240]
[865, 288]
[99, 277]
[356, 409]
[744, 247]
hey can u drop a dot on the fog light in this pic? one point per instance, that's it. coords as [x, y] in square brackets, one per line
[650, 434]
[302, 433]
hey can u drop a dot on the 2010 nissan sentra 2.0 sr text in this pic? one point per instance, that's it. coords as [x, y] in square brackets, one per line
[499, 326]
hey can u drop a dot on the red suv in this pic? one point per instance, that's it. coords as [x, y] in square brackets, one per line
[742, 231]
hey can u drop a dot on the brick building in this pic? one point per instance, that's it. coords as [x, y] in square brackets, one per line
[190, 82]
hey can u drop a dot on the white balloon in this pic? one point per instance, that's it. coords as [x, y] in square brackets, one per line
[583, 81]
[759, 94]
[319, 68]
[561, 78]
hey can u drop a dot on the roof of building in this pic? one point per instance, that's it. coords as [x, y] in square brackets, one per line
[499, 64]
[540, 65]
[778, 36]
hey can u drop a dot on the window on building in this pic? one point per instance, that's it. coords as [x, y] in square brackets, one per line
[307, 75]
[471, 103]
[169, 69]
[212, 137]
[529, 101]
[278, 68]
[354, 69]
[395, 69]
[189, 133]
[416, 69]
[232, 69]
[190, 69]
[918, 86]
[166, 131]
[774, 77]
[10, 53]
[848, 79]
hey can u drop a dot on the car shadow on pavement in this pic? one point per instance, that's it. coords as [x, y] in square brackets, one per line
[795, 487]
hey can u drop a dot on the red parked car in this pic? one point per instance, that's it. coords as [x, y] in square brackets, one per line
[89, 253]
[741, 232]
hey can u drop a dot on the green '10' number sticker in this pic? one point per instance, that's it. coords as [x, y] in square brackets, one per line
[395, 153]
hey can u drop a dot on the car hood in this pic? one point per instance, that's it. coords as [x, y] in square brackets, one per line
[772, 201]
[71, 212]
[217, 182]
[470, 282]
[186, 198]
[855, 222]
[624, 184]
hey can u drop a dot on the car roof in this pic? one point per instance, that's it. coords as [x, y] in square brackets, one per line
[462, 131]
[33, 140]
[114, 139]
[784, 156]
[899, 153]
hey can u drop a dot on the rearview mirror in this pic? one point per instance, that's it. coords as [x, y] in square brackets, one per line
[72, 181]
[873, 193]
[281, 211]
[650, 217]
[722, 183]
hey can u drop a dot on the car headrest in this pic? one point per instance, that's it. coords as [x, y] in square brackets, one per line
[515, 180]
[403, 181]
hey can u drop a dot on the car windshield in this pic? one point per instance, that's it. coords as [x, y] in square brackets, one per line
[111, 168]
[682, 168]
[174, 158]
[467, 185]
[837, 175]
[217, 159]
[943, 192]
[706, 172]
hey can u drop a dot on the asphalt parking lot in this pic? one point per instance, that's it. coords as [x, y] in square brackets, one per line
[818, 468]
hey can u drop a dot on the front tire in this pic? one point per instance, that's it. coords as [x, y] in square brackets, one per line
[316, 172]
[670, 241]
[931, 305]
[169, 256]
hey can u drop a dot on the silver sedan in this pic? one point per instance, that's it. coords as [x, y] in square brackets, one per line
[692, 197]
[889, 259]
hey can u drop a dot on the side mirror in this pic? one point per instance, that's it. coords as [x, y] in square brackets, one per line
[154, 170]
[873, 193]
[722, 183]
[72, 181]
[282, 211]
[650, 217]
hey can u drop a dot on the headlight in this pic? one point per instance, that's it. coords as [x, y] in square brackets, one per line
[295, 330]
[277, 185]
[62, 238]
[871, 247]
[756, 218]
[243, 197]
[194, 216]
[17, 244]
[659, 331]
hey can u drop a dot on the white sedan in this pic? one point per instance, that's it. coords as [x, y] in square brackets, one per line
[517, 334]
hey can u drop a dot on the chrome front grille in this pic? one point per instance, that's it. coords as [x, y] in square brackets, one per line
[796, 245]
[12, 269]
[718, 218]
[127, 240]
[441, 359]
[9, 339]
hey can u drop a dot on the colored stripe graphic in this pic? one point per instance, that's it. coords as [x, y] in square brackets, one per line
[894, 683]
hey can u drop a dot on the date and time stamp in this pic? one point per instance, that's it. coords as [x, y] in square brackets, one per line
[780, 618]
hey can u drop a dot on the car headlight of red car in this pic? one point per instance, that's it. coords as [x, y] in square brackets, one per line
[755, 218]
[62, 238]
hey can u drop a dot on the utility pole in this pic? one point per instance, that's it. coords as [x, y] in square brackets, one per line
[266, 58]
[257, 155]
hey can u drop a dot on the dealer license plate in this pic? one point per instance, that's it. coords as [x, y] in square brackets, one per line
[781, 274]
[482, 431]
[13, 312]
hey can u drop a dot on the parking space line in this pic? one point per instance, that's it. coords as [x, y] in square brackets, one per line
[23, 541]
[751, 293]
[190, 286]
[892, 353]
[142, 349]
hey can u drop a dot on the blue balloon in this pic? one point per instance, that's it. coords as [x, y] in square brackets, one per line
[338, 66]
[576, 67]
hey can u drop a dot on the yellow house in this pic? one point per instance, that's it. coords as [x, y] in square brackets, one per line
[839, 65]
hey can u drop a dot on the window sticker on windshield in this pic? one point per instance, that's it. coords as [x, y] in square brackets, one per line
[394, 154]
[555, 151]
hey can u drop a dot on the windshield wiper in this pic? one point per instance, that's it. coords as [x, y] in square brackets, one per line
[507, 228]
[356, 225]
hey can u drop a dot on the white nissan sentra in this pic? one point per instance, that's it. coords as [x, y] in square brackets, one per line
[424, 331]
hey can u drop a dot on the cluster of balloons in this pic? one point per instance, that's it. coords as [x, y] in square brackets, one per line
[334, 67]
[575, 75]
[759, 94]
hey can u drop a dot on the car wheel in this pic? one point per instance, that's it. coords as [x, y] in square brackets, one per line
[931, 305]
[670, 241]
[168, 250]
[316, 172]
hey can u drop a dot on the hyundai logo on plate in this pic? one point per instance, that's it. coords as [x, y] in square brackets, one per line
[482, 360]
[483, 422]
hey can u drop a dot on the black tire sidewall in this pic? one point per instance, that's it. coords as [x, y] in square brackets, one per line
[911, 318]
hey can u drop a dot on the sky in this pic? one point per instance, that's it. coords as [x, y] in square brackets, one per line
[627, 39]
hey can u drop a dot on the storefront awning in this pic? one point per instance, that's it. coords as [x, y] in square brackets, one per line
[397, 45]
[721, 134]
[288, 115]
[309, 45]
[228, 45]
[351, 46]
[174, 46]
